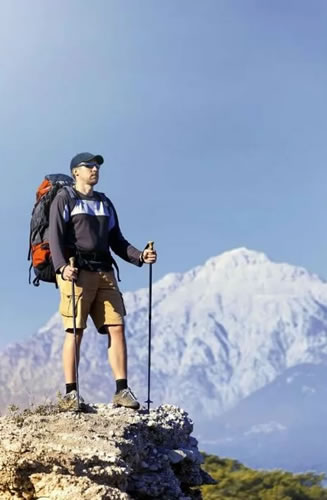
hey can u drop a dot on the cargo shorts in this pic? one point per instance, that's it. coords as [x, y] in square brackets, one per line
[96, 294]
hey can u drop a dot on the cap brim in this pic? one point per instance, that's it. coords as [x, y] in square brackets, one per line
[98, 158]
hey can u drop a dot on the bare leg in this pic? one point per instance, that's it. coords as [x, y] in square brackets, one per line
[68, 355]
[117, 354]
[117, 351]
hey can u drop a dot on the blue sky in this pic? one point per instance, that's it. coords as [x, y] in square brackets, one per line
[211, 117]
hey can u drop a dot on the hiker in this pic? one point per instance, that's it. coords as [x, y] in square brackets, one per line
[87, 230]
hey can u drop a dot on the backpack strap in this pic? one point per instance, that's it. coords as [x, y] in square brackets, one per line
[102, 197]
[71, 191]
[73, 196]
[30, 269]
[108, 204]
[116, 267]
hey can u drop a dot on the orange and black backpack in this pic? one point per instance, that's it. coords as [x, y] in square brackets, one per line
[39, 250]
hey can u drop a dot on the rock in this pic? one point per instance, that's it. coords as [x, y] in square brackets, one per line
[176, 456]
[113, 453]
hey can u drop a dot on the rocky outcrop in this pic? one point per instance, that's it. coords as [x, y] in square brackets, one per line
[107, 453]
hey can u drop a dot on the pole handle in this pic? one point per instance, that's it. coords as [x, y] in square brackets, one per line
[72, 261]
[150, 245]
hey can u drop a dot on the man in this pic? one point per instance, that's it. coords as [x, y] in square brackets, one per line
[86, 226]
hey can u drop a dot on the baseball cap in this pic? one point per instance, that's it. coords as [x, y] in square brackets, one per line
[85, 157]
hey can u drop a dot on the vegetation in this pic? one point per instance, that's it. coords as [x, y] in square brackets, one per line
[45, 409]
[235, 481]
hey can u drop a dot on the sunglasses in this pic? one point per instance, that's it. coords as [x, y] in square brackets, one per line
[89, 164]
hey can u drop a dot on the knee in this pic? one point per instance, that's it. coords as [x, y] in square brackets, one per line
[114, 331]
[70, 336]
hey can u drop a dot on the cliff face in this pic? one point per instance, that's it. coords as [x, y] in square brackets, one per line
[108, 453]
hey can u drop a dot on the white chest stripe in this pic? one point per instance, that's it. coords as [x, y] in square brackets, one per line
[90, 207]
[66, 213]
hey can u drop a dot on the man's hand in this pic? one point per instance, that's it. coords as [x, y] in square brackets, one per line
[149, 256]
[69, 273]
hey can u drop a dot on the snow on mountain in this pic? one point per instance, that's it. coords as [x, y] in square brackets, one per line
[282, 425]
[221, 331]
[229, 327]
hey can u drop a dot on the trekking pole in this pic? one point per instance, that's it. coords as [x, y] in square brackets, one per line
[72, 264]
[150, 247]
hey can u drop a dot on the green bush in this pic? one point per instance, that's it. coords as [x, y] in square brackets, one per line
[235, 481]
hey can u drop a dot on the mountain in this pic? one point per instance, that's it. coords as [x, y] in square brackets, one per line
[221, 332]
[282, 425]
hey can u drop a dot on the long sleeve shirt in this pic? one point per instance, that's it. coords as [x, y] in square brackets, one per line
[87, 224]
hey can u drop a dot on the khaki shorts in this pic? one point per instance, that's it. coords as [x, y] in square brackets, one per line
[96, 294]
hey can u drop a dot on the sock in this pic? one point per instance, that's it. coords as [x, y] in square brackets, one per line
[71, 387]
[121, 384]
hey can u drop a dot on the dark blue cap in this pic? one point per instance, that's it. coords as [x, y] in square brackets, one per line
[85, 157]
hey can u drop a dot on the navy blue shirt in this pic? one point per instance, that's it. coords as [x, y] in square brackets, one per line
[88, 224]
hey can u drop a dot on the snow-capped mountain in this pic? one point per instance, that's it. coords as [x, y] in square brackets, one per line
[282, 425]
[221, 331]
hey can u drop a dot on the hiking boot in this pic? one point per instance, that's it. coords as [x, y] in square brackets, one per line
[126, 398]
[69, 401]
[72, 396]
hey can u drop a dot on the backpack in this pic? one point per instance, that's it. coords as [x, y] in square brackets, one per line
[39, 250]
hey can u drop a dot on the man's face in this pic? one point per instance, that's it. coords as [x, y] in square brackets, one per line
[88, 173]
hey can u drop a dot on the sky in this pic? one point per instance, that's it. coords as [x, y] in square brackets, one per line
[211, 117]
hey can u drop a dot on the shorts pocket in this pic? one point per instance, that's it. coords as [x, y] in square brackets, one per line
[66, 304]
